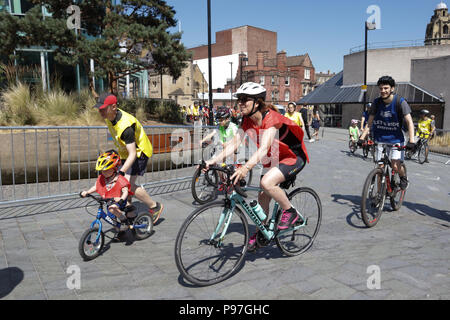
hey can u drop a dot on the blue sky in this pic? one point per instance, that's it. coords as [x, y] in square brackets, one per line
[325, 29]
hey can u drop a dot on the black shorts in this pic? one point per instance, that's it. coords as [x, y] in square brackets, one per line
[139, 166]
[291, 171]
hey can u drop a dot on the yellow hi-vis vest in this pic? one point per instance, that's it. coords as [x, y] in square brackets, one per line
[142, 142]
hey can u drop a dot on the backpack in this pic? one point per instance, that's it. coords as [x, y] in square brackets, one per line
[398, 108]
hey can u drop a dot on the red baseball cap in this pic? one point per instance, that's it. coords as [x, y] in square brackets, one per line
[105, 99]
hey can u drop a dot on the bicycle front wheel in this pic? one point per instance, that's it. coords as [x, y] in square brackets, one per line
[202, 260]
[308, 204]
[204, 188]
[373, 197]
[398, 194]
[351, 146]
[423, 153]
[88, 247]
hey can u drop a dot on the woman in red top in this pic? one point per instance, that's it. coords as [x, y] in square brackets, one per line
[280, 149]
[110, 184]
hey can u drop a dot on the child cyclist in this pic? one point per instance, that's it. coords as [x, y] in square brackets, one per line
[354, 132]
[110, 184]
[227, 129]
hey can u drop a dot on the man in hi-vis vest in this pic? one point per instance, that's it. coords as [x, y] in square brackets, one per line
[133, 146]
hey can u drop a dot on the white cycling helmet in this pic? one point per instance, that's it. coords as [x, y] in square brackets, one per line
[251, 89]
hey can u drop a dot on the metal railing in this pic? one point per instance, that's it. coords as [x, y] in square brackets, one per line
[50, 162]
[389, 45]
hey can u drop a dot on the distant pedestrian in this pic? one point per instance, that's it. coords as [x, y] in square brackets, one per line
[433, 127]
[316, 125]
[294, 115]
[304, 112]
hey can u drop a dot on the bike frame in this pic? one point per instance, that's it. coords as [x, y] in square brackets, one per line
[109, 218]
[386, 162]
[237, 200]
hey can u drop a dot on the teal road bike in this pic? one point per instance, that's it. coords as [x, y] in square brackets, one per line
[212, 242]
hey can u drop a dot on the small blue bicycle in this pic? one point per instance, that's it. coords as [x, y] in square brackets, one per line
[93, 239]
[213, 240]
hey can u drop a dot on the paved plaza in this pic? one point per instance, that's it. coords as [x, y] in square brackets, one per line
[410, 248]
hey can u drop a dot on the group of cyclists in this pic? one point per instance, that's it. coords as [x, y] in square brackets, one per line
[279, 140]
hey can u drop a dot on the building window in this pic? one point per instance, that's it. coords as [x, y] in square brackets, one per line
[287, 95]
[445, 29]
[174, 81]
[273, 80]
[287, 81]
[305, 90]
[307, 74]
[262, 80]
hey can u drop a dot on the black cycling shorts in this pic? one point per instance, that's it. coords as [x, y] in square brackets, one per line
[291, 171]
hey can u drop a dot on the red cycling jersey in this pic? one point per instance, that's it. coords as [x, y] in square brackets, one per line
[274, 119]
[115, 191]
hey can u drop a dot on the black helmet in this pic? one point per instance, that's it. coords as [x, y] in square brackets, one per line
[223, 112]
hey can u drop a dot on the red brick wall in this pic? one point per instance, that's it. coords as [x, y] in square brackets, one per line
[243, 39]
[296, 74]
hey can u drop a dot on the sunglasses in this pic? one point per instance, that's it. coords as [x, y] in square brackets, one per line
[243, 100]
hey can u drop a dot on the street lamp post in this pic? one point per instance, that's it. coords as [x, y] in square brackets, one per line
[231, 85]
[368, 26]
[211, 122]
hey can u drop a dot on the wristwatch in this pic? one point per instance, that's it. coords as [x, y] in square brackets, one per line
[122, 173]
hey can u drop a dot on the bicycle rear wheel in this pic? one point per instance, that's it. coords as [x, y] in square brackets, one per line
[204, 188]
[144, 222]
[397, 196]
[308, 204]
[373, 197]
[204, 262]
[422, 154]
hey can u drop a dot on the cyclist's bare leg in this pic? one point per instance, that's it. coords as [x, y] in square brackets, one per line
[397, 166]
[140, 193]
[270, 183]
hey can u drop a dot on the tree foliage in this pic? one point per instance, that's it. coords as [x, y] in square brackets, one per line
[121, 38]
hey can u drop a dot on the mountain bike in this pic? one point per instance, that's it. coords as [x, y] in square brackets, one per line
[381, 182]
[204, 187]
[93, 239]
[422, 150]
[212, 242]
[368, 147]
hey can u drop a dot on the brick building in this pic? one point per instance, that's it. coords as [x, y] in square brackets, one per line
[285, 78]
[227, 49]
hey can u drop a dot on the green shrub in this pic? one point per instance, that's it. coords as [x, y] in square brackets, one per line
[169, 112]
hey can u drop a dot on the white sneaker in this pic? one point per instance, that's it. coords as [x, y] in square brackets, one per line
[312, 140]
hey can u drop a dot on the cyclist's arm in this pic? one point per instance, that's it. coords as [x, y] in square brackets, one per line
[132, 155]
[208, 137]
[363, 119]
[410, 125]
[229, 148]
[90, 191]
[267, 140]
[366, 129]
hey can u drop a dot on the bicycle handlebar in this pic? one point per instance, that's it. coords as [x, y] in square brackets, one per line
[229, 171]
[98, 199]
